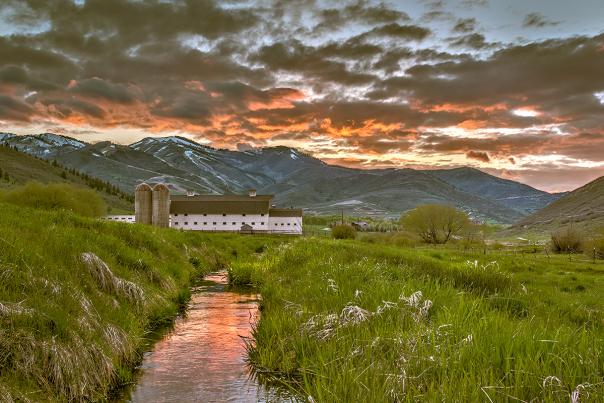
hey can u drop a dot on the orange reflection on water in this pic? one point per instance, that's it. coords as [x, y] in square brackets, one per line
[203, 358]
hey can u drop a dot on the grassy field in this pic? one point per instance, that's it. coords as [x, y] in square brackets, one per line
[79, 296]
[356, 321]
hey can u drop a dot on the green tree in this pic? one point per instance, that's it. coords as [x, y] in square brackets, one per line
[343, 232]
[435, 223]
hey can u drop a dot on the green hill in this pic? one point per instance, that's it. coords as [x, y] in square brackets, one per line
[19, 168]
[78, 297]
[583, 208]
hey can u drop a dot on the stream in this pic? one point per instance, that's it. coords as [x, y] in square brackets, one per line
[203, 357]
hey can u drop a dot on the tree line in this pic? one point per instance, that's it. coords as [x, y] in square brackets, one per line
[90, 181]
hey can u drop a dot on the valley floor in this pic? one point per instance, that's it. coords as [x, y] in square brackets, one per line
[352, 321]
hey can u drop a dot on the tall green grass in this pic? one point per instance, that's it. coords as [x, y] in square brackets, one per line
[350, 321]
[79, 296]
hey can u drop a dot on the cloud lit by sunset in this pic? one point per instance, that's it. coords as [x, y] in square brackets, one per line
[514, 88]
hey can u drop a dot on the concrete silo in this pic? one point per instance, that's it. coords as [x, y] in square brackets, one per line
[143, 204]
[161, 206]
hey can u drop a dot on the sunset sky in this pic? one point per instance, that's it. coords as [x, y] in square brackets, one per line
[513, 87]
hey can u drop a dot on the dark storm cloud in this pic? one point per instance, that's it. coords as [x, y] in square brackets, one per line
[537, 20]
[134, 21]
[294, 56]
[536, 75]
[358, 11]
[98, 88]
[13, 109]
[359, 74]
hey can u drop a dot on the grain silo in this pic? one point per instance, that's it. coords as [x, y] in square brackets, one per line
[161, 206]
[143, 204]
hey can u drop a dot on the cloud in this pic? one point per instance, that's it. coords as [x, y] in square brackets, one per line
[473, 41]
[98, 88]
[411, 32]
[465, 25]
[536, 20]
[478, 155]
[359, 79]
[13, 109]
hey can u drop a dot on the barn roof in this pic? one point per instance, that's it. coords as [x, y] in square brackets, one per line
[220, 204]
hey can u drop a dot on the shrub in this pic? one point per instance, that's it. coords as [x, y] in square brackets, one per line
[595, 246]
[57, 196]
[343, 232]
[567, 240]
[435, 223]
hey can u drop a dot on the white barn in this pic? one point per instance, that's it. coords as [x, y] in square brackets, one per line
[249, 213]
[233, 213]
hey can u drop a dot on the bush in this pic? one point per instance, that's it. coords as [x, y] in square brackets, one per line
[435, 223]
[595, 246]
[343, 232]
[567, 240]
[81, 201]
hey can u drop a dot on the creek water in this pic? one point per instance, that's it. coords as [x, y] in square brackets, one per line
[203, 357]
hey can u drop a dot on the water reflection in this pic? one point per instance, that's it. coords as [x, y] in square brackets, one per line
[203, 358]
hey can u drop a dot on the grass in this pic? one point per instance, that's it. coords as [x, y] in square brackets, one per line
[79, 297]
[358, 321]
[22, 168]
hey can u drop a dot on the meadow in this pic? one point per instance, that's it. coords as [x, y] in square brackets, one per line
[352, 320]
[79, 297]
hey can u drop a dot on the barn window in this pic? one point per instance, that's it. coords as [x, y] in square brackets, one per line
[195, 223]
[253, 223]
[175, 215]
[261, 223]
[234, 223]
[213, 223]
[205, 223]
[205, 215]
[224, 223]
[186, 223]
[243, 215]
[186, 214]
[261, 215]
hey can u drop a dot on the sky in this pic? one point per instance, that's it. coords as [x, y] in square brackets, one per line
[512, 87]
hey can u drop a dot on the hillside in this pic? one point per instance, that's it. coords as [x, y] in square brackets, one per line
[22, 168]
[514, 195]
[79, 297]
[297, 179]
[583, 207]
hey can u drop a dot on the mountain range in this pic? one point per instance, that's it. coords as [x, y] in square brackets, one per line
[294, 177]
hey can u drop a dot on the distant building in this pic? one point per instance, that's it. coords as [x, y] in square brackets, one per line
[249, 213]
[120, 218]
[360, 225]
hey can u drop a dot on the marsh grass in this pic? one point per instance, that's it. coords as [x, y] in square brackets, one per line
[350, 321]
[79, 297]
